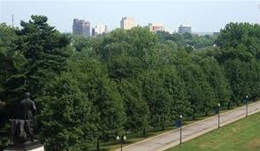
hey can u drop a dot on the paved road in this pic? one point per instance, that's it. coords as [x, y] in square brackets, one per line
[172, 138]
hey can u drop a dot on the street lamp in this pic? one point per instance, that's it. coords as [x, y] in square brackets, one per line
[122, 138]
[180, 129]
[218, 115]
[246, 105]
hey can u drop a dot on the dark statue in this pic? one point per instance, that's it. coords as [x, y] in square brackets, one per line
[22, 129]
[28, 108]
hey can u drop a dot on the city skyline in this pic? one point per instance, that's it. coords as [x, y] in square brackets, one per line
[203, 16]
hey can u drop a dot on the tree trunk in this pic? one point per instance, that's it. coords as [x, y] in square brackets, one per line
[144, 131]
[163, 128]
[98, 144]
[229, 105]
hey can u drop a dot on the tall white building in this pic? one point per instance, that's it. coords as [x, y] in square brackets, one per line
[99, 30]
[127, 23]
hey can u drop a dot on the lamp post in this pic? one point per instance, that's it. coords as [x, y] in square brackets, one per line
[246, 105]
[180, 129]
[218, 115]
[121, 139]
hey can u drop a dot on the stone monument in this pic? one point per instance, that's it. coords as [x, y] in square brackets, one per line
[22, 129]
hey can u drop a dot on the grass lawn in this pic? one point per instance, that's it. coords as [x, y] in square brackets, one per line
[243, 135]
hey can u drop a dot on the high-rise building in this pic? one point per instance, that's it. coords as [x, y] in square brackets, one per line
[184, 29]
[81, 27]
[127, 23]
[99, 30]
[154, 27]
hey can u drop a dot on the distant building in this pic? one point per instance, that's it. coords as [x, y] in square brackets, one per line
[81, 27]
[154, 27]
[127, 23]
[170, 31]
[184, 29]
[99, 30]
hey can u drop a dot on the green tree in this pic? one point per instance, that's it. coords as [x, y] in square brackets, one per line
[175, 88]
[10, 77]
[215, 75]
[253, 73]
[200, 93]
[136, 108]
[45, 49]
[236, 72]
[66, 117]
[11, 62]
[107, 104]
[236, 34]
[158, 99]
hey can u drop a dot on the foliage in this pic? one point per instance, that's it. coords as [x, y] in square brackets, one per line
[136, 108]
[188, 40]
[107, 104]
[45, 50]
[91, 89]
[66, 119]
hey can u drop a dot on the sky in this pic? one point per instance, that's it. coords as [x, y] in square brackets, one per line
[202, 16]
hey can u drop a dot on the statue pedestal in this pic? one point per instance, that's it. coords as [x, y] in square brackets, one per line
[27, 146]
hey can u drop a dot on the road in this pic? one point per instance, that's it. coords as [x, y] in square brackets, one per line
[172, 138]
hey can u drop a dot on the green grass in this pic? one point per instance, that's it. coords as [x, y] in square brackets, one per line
[243, 135]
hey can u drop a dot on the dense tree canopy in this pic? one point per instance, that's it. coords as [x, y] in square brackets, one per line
[91, 89]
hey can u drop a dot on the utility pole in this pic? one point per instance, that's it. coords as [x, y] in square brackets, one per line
[12, 21]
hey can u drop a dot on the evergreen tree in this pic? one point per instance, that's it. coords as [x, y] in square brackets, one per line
[45, 49]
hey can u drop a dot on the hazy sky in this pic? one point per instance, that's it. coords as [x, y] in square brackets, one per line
[203, 16]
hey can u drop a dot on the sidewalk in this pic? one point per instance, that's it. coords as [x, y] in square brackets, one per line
[172, 138]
